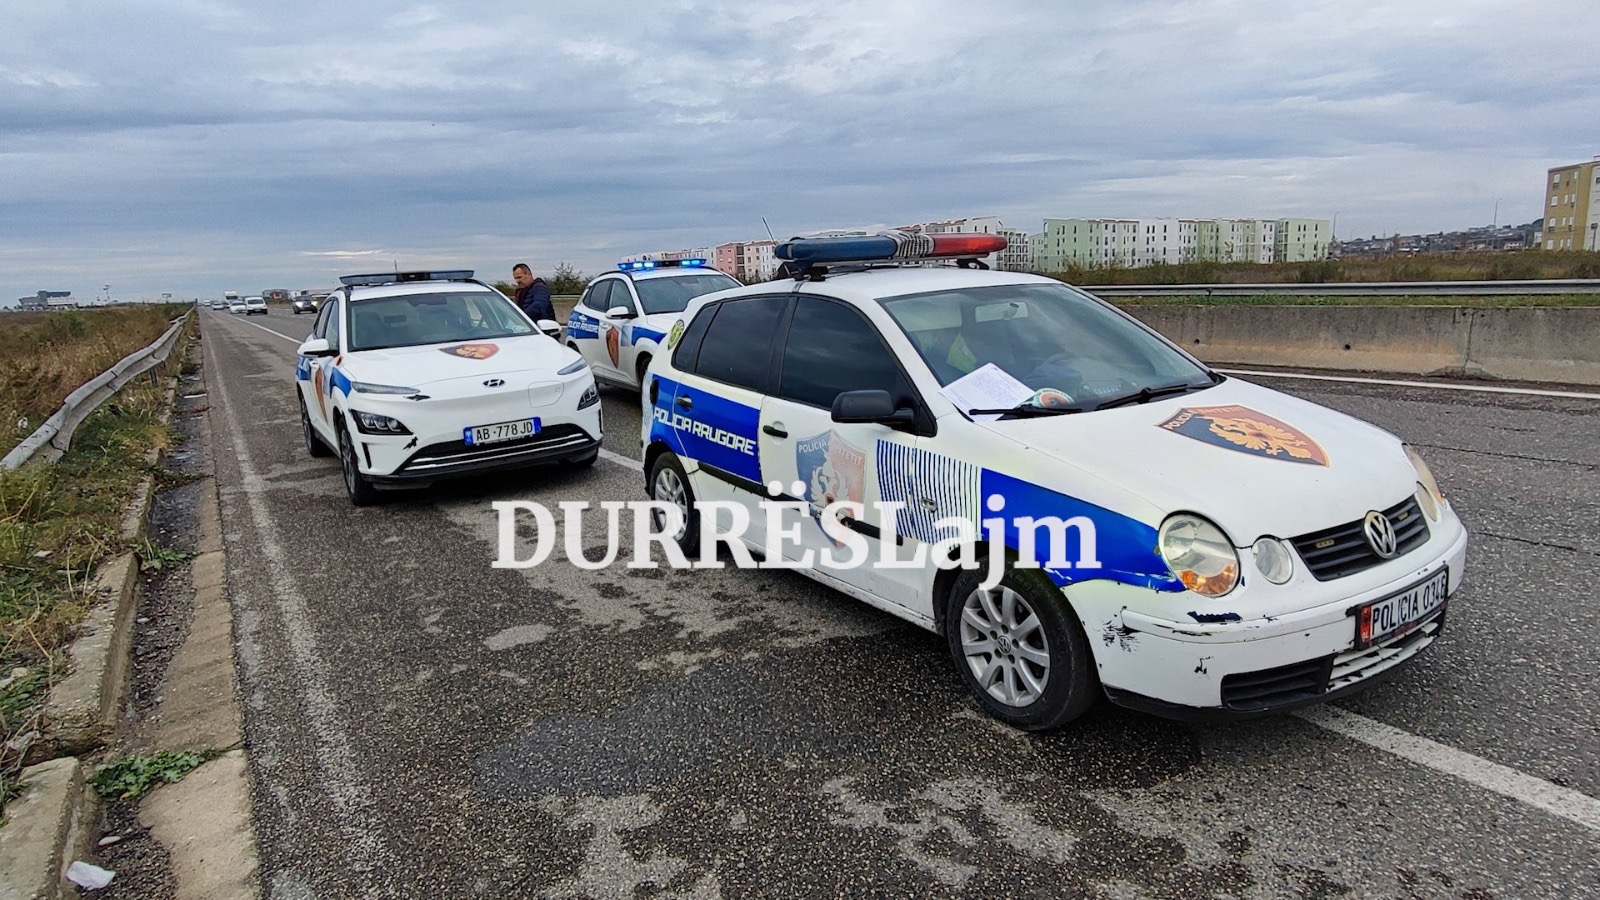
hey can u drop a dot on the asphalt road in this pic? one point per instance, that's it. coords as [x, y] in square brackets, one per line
[421, 724]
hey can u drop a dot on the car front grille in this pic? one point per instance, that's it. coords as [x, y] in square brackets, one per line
[1355, 665]
[1343, 550]
[455, 453]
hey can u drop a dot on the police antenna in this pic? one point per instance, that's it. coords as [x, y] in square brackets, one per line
[769, 229]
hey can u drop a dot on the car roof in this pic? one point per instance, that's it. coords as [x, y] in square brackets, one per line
[866, 285]
[653, 274]
[407, 288]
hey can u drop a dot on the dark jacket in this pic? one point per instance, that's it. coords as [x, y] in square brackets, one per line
[535, 300]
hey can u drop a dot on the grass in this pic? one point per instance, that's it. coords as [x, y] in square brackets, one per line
[57, 523]
[130, 776]
[1509, 266]
[46, 356]
[1267, 299]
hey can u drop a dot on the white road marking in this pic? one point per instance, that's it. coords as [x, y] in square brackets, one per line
[1565, 803]
[1430, 385]
[276, 334]
[355, 811]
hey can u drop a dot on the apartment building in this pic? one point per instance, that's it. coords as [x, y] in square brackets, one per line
[1301, 240]
[1018, 255]
[1572, 207]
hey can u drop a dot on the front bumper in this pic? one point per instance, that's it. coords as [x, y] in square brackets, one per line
[1257, 666]
[453, 459]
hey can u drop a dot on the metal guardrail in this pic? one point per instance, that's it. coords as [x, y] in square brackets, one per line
[1353, 289]
[54, 437]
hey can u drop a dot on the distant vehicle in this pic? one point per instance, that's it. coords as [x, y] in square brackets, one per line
[303, 303]
[237, 307]
[229, 296]
[254, 305]
[275, 294]
[623, 317]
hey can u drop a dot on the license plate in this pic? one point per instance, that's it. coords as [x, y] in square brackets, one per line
[500, 431]
[1395, 615]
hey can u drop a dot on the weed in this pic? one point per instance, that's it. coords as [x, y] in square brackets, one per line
[166, 477]
[131, 776]
[153, 557]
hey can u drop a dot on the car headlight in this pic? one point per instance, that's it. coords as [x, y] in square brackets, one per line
[1429, 485]
[591, 396]
[367, 387]
[573, 367]
[372, 423]
[1199, 554]
[1273, 559]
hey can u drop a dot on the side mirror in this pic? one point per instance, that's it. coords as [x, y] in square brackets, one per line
[620, 312]
[870, 407]
[550, 327]
[317, 347]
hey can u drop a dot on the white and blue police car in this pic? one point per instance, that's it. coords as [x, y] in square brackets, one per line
[1186, 543]
[414, 377]
[622, 318]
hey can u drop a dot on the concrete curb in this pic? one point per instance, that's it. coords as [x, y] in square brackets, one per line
[45, 831]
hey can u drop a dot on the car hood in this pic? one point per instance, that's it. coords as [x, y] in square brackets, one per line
[526, 355]
[1255, 461]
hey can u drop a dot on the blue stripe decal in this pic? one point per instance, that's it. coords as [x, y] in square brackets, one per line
[910, 475]
[580, 327]
[341, 381]
[1124, 547]
[302, 369]
[640, 333]
[713, 430]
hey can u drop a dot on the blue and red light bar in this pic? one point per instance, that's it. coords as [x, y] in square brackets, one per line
[645, 265]
[402, 277]
[889, 245]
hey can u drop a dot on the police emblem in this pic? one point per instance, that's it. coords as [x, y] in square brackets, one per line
[614, 344]
[472, 351]
[1247, 431]
[833, 470]
[675, 334]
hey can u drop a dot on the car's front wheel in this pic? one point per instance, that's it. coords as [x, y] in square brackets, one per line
[669, 482]
[1020, 649]
[356, 486]
[314, 445]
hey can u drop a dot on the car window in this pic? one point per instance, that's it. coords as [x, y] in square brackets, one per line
[320, 327]
[688, 351]
[832, 348]
[334, 325]
[1046, 336]
[599, 294]
[737, 348]
[620, 297]
[670, 295]
[410, 320]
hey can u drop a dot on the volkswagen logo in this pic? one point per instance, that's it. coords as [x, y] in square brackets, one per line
[1380, 534]
[494, 382]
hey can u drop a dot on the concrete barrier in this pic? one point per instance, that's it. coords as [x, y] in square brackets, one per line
[1546, 344]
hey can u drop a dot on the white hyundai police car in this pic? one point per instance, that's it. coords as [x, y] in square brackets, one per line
[623, 316]
[1186, 543]
[418, 376]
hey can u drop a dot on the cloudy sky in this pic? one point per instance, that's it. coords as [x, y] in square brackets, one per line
[194, 146]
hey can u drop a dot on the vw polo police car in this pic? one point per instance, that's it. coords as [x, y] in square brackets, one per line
[416, 376]
[623, 316]
[1187, 543]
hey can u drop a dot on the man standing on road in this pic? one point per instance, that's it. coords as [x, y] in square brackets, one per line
[533, 295]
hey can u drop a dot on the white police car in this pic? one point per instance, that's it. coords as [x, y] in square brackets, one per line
[621, 319]
[1201, 546]
[417, 376]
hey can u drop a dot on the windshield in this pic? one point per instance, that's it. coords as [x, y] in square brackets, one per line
[670, 295]
[1047, 336]
[410, 320]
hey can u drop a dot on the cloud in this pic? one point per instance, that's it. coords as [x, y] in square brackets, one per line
[202, 145]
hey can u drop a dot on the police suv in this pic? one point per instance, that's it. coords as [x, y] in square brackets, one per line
[619, 322]
[1186, 543]
[417, 376]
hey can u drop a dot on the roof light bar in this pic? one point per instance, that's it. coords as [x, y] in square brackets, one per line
[644, 265]
[888, 245]
[400, 277]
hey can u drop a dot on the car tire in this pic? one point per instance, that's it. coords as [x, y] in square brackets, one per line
[356, 486]
[1020, 649]
[314, 445]
[640, 368]
[669, 482]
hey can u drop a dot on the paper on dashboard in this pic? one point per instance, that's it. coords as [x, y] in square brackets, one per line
[988, 387]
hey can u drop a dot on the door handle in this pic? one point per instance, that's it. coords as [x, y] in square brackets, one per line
[775, 430]
[686, 402]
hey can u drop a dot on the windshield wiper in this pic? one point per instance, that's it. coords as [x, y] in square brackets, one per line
[1146, 394]
[1026, 410]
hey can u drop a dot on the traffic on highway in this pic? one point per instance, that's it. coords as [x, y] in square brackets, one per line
[952, 582]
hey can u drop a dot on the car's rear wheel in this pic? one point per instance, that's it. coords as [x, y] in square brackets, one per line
[669, 482]
[314, 445]
[639, 369]
[356, 486]
[1020, 649]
